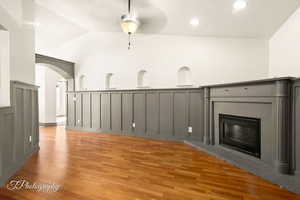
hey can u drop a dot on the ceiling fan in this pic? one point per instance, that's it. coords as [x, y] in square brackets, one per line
[129, 23]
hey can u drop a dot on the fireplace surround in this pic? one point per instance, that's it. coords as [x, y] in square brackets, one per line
[240, 133]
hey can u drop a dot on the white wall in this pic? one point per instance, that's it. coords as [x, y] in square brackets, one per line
[60, 98]
[21, 40]
[4, 68]
[47, 80]
[285, 49]
[211, 60]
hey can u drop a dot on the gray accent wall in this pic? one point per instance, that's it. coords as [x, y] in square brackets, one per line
[162, 114]
[19, 129]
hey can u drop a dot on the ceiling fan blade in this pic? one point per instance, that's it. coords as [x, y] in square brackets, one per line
[152, 19]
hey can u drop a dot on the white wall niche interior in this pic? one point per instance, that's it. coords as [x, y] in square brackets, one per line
[184, 77]
[109, 82]
[82, 83]
[143, 79]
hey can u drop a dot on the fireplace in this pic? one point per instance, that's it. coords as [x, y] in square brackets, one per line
[240, 133]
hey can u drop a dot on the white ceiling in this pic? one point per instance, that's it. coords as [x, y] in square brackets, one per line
[63, 20]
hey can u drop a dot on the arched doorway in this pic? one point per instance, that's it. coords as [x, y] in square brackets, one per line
[55, 77]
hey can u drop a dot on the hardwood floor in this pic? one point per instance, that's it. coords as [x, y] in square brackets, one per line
[91, 166]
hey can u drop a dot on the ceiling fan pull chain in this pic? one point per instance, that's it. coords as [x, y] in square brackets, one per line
[129, 43]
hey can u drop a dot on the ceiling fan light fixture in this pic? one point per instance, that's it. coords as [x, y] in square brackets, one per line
[129, 24]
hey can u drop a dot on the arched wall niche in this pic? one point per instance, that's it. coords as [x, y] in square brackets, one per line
[82, 83]
[142, 79]
[109, 81]
[184, 77]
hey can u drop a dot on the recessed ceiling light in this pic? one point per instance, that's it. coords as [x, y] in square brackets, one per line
[194, 21]
[240, 4]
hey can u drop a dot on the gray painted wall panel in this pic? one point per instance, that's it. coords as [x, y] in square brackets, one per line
[127, 113]
[35, 119]
[116, 114]
[18, 124]
[27, 120]
[86, 110]
[19, 130]
[152, 111]
[180, 114]
[139, 114]
[166, 115]
[297, 128]
[70, 110]
[197, 115]
[105, 112]
[78, 114]
[96, 110]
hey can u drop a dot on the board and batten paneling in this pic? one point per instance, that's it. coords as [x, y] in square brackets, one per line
[181, 114]
[70, 101]
[116, 112]
[78, 110]
[297, 127]
[106, 112]
[86, 110]
[127, 114]
[196, 116]
[19, 133]
[152, 115]
[162, 114]
[96, 110]
[139, 114]
[166, 125]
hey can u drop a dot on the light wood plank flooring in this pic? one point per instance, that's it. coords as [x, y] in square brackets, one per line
[91, 166]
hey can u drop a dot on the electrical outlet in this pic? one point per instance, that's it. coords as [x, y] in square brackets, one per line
[133, 125]
[30, 139]
[190, 129]
[78, 121]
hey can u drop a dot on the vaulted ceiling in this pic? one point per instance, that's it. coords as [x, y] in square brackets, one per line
[63, 20]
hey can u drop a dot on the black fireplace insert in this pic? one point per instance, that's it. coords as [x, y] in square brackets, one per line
[240, 133]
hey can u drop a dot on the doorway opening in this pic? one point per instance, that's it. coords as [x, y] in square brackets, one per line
[52, 92]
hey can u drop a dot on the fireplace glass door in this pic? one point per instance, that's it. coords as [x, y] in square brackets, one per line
[240, 134]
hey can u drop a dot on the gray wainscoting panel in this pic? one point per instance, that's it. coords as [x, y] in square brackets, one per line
[166, 124]
[19, 133]
[19, 129]
[105, 112]
[78, 114]
[86, 110]
[116, 112]
[96, 111]
[181, 114]
[161, 113]
[297, 128]
[27, 120]
[6, 141]
[196, 118]
[70, 109]
[127, 113]
[35, 119]
[139, 114]
[152, 114]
